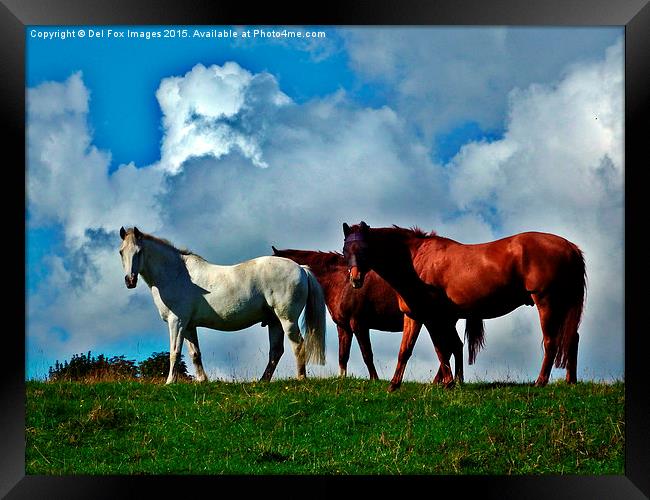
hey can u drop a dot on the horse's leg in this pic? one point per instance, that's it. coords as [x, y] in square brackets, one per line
[572, 363]
[438, 378]
[363, 337]
[276, 348]
[445, 342]
[192, 340]
[456, 346]
[439, 374]
[345, 341]
[175, 347]
[409, 336]
[549, 324]
[292, 330]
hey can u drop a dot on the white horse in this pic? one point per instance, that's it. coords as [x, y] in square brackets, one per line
[190, 292]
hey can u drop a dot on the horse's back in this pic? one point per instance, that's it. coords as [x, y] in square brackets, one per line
[548, 244]
[539, 260]
[246, 293]
[270, 268]
[279, 279]
[498, 276]
[519, 250]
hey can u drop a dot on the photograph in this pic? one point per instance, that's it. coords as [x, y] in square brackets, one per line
[325, 250]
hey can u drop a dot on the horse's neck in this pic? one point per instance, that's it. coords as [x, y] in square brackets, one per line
[161, 264]
[332, 281]
[393, 258]
[331, 278]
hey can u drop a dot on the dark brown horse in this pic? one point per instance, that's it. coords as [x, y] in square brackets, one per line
[440, 281]
[374, 306]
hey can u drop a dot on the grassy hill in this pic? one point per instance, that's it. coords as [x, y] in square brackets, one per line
[323, 426]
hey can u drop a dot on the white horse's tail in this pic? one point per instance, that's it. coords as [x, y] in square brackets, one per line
[314, 321]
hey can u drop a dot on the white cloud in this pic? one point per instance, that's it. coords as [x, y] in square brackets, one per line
[561, 158]
[53, 99]
[210, 111]
[67, 179]
[329, 162]
[441, 77]
[90, 277]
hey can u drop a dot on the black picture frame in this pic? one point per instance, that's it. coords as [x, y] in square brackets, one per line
[634, 15]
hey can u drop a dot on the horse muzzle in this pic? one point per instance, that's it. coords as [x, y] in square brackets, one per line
[131, 280]
[356, 277]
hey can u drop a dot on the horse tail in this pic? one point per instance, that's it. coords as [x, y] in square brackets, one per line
[474, 336]
[574, 292]
[314, 320]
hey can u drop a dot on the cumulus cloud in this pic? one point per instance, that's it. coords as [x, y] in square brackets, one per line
[210, 111]
[243, 167]
[442, 77]
[328, 160]
[67, 176]
[563, 144]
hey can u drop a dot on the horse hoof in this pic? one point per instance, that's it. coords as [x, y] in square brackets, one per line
[392, 387]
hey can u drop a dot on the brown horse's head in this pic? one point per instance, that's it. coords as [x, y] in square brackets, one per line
[355, 252]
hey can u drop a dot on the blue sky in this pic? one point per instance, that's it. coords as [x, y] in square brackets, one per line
[412, 126]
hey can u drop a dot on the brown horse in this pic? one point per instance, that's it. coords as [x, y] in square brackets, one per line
[374, 306]
[440, 281]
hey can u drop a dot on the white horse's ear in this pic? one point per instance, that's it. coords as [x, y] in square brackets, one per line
[137, 232]
[122, 232]
[346, 229]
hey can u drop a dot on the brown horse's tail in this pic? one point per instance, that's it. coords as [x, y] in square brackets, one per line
[573, 292]
[474, 336]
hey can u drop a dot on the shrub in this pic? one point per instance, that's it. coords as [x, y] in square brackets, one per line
[156, 367]
[88, 367]
[121, 368]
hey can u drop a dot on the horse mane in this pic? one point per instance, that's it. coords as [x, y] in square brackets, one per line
[413, 231]
[329, 257]
[165, 242]
[318, 257]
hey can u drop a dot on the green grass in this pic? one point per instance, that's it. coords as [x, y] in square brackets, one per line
[323, 426]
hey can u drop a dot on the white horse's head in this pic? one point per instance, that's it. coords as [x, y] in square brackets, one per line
[131, 254]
